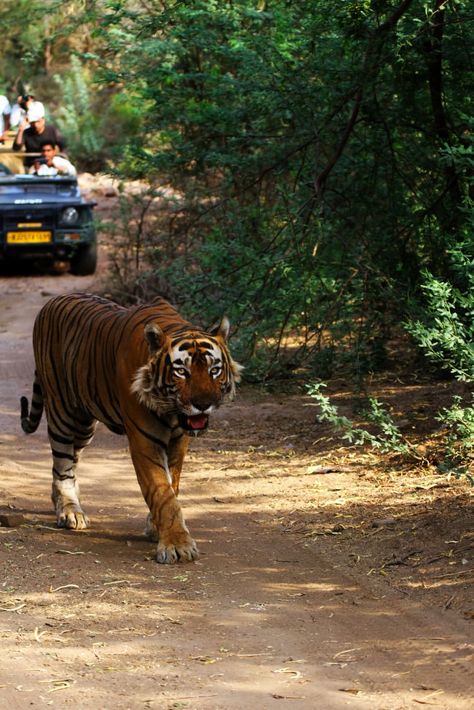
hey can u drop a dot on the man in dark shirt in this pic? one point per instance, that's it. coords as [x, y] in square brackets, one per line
[34, 132]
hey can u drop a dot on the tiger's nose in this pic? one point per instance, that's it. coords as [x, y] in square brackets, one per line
[203, 405]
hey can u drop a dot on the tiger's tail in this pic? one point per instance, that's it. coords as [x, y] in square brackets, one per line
[30, 422]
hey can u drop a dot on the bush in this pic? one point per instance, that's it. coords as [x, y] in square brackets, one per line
[97, 124]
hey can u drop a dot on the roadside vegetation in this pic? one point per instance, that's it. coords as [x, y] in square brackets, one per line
[305, 167]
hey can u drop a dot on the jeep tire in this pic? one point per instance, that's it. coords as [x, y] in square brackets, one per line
[84, 261]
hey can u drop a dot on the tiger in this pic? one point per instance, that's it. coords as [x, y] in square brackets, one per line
[143, 371]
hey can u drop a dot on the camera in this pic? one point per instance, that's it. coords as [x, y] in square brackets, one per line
[23, 101]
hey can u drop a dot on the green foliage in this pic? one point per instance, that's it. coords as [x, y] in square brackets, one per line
[313, 152]
[388, 439]
[75, 116]
[27, 29]
[447, 333]
[95, 133]
[446, 336]
[459, 441]
[319, 156]
[453, 455]
[318, 164]
[38, 38]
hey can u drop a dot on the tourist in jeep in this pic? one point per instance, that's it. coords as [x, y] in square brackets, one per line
[52, 164]
[34, 132]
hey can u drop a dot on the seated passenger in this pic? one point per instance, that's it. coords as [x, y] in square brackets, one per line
[34, 131]
[52, 164]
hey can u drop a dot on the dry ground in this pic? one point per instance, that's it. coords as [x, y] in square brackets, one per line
[350, 588]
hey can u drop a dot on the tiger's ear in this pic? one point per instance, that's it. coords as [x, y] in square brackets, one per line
[154, 337]
[221, 329]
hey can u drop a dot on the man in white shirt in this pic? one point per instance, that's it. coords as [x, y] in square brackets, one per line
[5, 111]
[52, 164]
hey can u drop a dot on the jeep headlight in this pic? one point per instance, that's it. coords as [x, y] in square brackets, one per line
[69, 216]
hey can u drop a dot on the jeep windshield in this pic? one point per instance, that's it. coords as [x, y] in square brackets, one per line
[20, 187]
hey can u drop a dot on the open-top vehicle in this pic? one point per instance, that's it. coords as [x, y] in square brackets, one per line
[44, 218]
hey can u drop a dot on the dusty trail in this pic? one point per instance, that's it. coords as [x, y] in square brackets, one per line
[266, 618]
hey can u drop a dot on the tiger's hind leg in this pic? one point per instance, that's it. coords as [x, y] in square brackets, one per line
[66, 446]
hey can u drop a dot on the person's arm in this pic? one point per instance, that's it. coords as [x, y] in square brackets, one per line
[64, 166]
[6, 121]
[19, 138]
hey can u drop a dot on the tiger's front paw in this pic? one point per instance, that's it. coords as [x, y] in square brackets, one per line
[182, 550]
[73, 520]
[69, 513]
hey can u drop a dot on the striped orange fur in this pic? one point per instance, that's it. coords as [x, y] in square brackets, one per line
[142, 371]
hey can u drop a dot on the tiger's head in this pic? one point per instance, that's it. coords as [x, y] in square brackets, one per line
[188, 374]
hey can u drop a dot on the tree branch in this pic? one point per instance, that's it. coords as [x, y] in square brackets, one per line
[433, 48]
[320, 179]
[369, 71]
[434, 51]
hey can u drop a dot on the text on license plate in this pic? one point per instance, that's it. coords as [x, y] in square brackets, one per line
[28, 237]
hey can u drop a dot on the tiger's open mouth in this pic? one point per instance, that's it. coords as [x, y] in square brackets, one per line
[196, 423]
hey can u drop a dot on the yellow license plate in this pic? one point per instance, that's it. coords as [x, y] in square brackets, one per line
[28, 237]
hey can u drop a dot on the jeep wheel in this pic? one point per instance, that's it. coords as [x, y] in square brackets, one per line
[84, 262]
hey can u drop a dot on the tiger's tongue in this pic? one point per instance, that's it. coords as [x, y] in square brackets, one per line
[198, 422]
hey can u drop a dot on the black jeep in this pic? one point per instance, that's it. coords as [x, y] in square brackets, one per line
[45, 218]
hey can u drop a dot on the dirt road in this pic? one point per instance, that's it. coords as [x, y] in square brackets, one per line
[316, 588]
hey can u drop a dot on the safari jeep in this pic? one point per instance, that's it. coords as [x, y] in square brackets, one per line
[44, 218]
